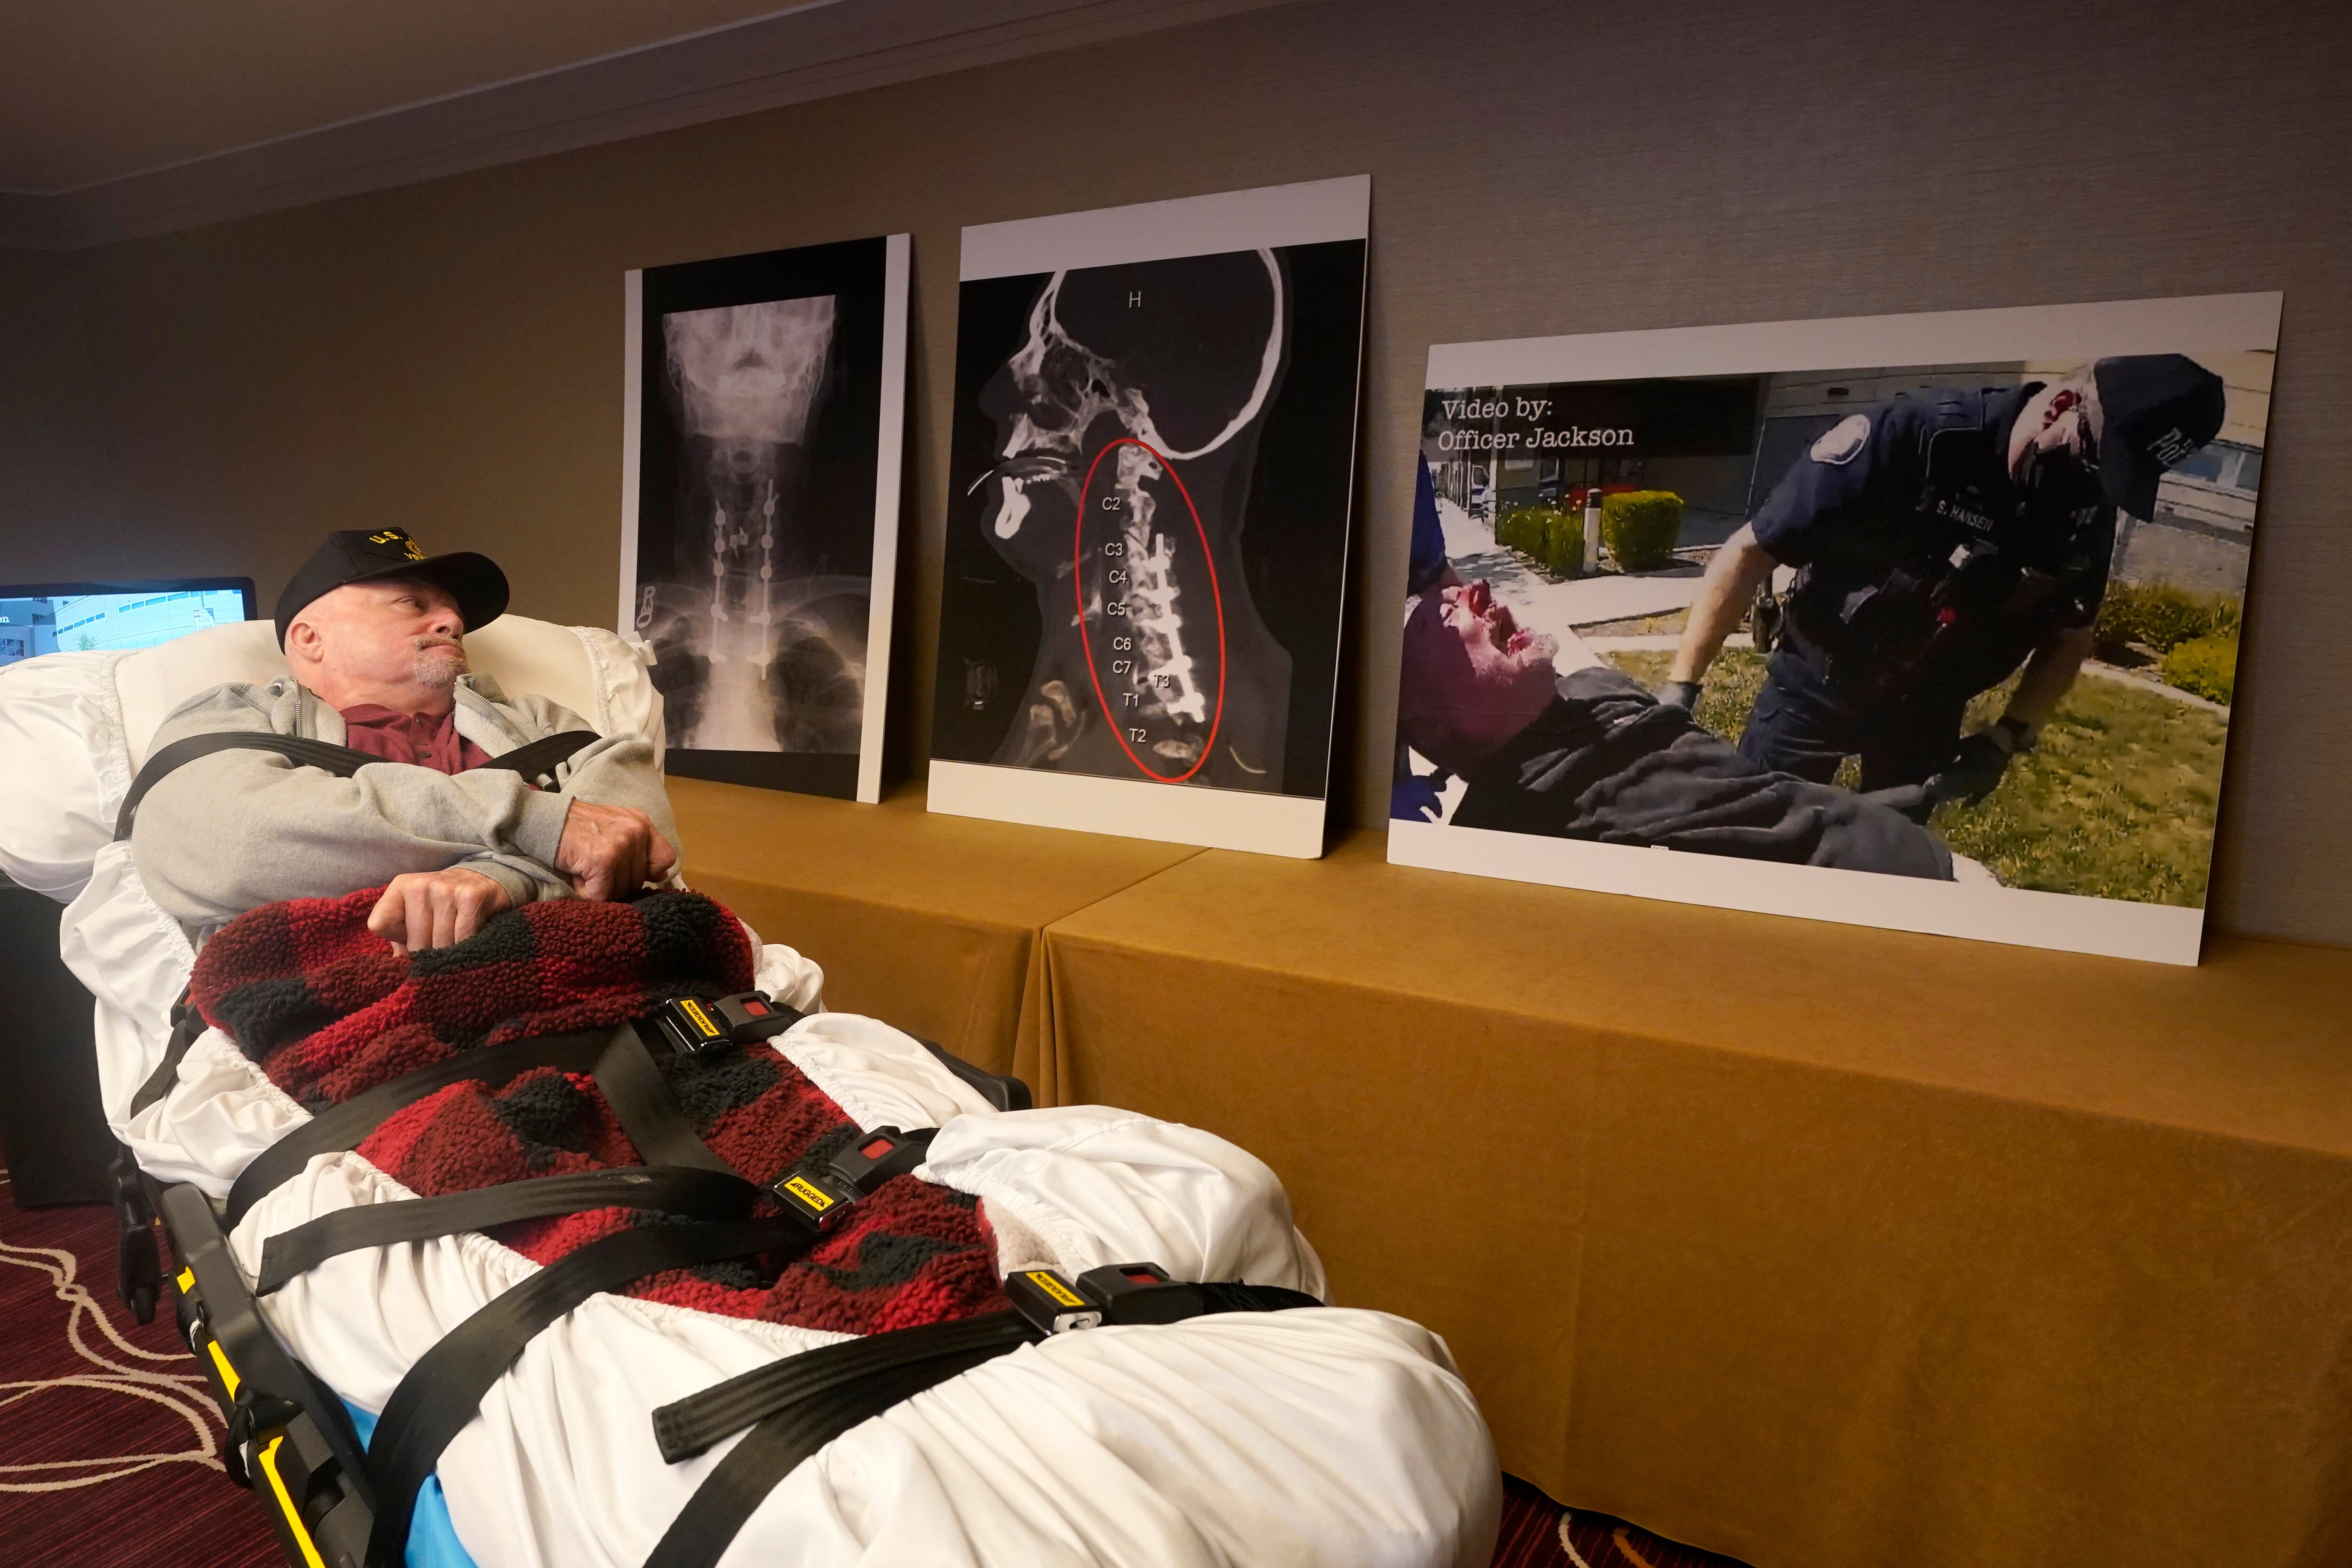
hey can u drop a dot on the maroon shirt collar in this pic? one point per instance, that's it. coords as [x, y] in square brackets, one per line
[426, 740]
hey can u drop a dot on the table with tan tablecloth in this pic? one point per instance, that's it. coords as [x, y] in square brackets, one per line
[1826, 1247]
[929, 922]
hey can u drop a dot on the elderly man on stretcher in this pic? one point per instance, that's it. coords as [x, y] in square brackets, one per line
[374, 632]
[595, 1289]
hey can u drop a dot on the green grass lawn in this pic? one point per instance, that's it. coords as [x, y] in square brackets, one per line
[2116, 802]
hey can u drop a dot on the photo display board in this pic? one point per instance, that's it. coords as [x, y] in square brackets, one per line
[765, 417]
[1928, 621]
[1153, 453]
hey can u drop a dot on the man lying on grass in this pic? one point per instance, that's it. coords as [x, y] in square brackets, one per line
[1588, 753]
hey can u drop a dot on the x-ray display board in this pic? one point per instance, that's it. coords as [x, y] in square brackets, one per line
[765, 417]
[1928, 621]
[1154, 442]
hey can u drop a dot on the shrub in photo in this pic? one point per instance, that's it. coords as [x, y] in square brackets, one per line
[1564, 541]
[1641, 528]
[2158, 617]
[2207, 665]
[1553, 539]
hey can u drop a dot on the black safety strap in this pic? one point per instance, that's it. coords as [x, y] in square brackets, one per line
[647, 1109]
[804, 1401]
[535, 759]
[1002, 1090]
[699, 1537]
[684, 1190]
[694, 1424]
[625, 1071]
[443, 1390]
[341, 761]
[186, 1024]
[346, 1127]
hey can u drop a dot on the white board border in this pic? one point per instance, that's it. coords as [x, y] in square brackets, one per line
[2111, 928]
[889, 467]
[1285, 824]
[633, 366]
[2187, 325]
[1310, 213]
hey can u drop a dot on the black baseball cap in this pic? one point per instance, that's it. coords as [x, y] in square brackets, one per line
[357, 555]
[2156, 409]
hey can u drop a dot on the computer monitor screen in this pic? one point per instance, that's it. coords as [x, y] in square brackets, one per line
[107, 618]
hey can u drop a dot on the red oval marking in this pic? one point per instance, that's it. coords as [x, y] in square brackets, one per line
[1216, 594]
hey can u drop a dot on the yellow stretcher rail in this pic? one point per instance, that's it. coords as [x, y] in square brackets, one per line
[266, 1458]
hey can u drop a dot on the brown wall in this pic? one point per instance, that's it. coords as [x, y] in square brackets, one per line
[53, 478]
[448, 356]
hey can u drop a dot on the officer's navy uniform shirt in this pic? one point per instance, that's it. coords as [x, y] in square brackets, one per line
[1881, 525]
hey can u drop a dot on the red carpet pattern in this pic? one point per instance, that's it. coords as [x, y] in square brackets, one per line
[109, 1445]
[1539, 1533]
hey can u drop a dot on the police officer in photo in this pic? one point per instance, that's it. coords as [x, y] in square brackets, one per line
[1940, 542]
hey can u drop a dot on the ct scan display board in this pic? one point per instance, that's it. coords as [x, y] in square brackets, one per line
[765, 414]
[1928, 621]
[1154, 451]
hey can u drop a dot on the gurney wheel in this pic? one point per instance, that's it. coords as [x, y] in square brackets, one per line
[139, 1271]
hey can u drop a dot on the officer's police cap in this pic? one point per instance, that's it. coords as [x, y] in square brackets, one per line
[360, 555]
[2156, 409]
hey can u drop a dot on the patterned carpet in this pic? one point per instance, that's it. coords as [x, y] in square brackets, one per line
[109, 1445]
[1537, 1533]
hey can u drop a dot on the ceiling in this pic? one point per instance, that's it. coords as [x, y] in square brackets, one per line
[100, 88]
[121, 118]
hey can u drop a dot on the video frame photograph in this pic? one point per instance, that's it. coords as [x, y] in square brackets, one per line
[1973, 622]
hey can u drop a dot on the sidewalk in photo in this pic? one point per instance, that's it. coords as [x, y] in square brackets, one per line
[1560, 607]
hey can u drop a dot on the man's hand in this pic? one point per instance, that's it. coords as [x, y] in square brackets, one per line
[435, 909]
[611, 851]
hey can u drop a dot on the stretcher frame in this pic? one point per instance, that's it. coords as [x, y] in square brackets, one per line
[290, 1441]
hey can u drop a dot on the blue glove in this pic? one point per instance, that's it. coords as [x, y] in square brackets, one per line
[1416, 799]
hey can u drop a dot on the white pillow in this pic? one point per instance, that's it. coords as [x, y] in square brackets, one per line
[74, 727]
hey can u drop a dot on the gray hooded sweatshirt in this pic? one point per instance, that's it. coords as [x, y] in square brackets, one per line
[237, 829]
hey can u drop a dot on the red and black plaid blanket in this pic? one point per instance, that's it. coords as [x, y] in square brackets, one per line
[330, 1011]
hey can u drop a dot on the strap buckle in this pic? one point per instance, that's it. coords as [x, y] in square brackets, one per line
[701, 1028]
[1050, 1303]
[1140, 1293]
[824, 1197]
[1114, 1294]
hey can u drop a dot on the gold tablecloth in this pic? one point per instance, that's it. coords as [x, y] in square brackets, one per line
[928, 922]
[1819, 1246]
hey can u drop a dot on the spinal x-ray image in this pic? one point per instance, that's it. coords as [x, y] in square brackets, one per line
[777, 656]
[1147, 524]
[753, 562]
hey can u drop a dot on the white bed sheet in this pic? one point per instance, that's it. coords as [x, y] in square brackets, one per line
[1318, 1436]
[1314, 1436]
